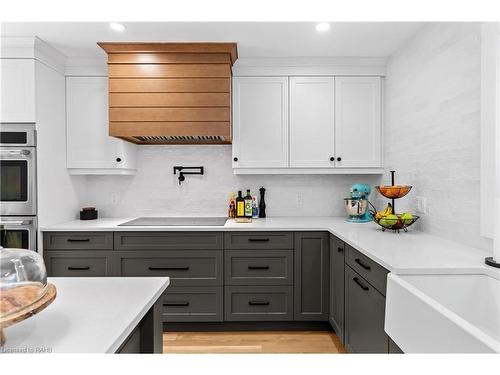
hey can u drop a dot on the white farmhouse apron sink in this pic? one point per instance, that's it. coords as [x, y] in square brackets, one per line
[444, 313]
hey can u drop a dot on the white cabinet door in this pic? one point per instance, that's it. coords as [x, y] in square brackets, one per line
[358, 122]
[260, 122]
[17, 90]
[312, 122]
[89, 147]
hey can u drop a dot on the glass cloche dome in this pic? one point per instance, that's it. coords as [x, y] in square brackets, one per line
[23, 279]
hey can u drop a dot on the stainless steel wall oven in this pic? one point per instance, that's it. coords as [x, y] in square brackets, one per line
[18, 195]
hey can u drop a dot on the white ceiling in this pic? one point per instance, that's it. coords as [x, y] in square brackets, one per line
[258, 39]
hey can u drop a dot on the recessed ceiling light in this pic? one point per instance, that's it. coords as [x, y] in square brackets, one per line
[116, 26]
[323, 26]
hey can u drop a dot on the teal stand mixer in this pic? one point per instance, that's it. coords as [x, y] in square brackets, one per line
[357, 205]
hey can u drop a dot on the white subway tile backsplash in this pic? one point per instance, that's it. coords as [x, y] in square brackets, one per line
[155, 191]
[432, 127]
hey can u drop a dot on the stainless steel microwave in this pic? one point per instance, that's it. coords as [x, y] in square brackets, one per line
[18, 170]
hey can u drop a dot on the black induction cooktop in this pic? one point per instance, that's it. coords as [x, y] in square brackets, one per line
[175, 221]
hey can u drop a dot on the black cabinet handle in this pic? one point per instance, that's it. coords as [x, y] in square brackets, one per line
[356, 280]
[118, 159]
[258, 239]
[365, 266]
[332, 158]
[258, 267]
[340, 249]
[78, 240]
[168, 268]
[181, 303]
[339, 158]
[70, 268]
[258, 303]
[235, 159]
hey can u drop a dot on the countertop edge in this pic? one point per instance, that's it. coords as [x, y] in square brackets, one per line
[125, 334]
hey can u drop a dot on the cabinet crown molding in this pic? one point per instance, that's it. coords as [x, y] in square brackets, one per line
[311, 66]
[32, 47]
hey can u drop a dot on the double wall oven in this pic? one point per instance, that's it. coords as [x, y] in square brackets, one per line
[18, 208]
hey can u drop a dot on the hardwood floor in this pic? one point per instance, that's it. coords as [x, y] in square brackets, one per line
[252, 342]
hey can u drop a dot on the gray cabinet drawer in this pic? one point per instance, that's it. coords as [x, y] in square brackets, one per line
[77, 240]
[364, 316]
[192, 304]
[184, 267]
[258, 267]
[258, 240]
[258, 303]
[373, 272]
[60, 263]
[167, 240]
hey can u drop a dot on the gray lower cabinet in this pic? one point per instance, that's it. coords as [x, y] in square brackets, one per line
[78, 241]
[193, 304]
[258, 240]
[78, 263]
[311, 275]
[394, 348]
[258, 303]
[147, 336]
[184, 267]
[364, 316]
[258, 267]
[337, 267]
[167, 240]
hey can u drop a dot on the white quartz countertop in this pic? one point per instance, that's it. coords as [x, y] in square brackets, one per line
[89, 315]
[410, 252]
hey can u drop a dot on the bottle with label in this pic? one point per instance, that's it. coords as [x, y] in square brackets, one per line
[232, 207]
[248, 204]
[240, 205]
[255, 208]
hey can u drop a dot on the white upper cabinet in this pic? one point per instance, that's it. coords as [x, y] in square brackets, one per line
[312, 122]
[358, 118]
[90, 150]
[260, 122]
[17, 90]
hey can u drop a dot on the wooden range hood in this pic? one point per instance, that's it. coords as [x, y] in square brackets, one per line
[170, 93]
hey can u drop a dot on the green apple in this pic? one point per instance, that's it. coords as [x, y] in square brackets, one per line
[388, 221]
[407, 218]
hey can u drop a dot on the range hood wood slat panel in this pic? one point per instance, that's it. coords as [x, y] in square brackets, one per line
[170, 85]
[168, 58]
[202, 48]
[168, 70]
[130, 129]
[169, 114]
[169, 100]
[170, 93]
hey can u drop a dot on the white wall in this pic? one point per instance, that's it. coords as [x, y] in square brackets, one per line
[432, 135]
[59, 193]
[155, 189]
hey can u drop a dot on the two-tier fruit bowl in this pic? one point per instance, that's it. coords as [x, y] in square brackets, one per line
[387, 218]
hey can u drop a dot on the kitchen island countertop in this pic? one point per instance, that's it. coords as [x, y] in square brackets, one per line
[89, 315]
[411, 252]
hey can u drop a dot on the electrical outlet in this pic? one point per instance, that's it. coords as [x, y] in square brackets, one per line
[421, 204]
[113, 198]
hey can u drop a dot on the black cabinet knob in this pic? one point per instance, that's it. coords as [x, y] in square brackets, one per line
[235, 158]
[339, 158]
[332, 158]
[118, 159]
